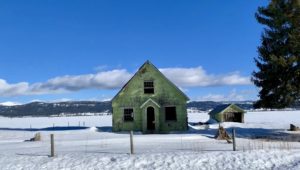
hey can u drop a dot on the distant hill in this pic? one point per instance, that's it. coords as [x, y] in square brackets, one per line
[208, 105]
[55, 109]
[71, 108]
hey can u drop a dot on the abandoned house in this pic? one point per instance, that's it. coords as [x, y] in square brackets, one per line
[227, 113]
[150, 103]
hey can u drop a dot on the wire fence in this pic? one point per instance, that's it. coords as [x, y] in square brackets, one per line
[84, 141]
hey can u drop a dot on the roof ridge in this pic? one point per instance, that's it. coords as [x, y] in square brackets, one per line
[148, 62]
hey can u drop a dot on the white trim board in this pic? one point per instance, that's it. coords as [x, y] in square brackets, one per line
[149, 101]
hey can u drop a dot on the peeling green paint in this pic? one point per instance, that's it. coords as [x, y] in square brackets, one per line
[165, 94]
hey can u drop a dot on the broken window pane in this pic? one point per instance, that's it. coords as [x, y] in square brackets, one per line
[128, 114]
[148, 87]
[170, 113]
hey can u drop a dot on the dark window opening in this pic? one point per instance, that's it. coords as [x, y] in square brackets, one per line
[170, 113]
[128, 115]
[148, 87]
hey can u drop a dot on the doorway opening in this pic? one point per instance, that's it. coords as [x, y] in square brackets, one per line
[150, 119]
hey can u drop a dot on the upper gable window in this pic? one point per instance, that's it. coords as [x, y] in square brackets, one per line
[148, 87]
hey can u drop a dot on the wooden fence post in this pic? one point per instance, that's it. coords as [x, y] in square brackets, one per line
[52, 145]
[131, 142]
[233, 139]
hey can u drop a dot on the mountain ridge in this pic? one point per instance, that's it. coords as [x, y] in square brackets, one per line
[39, 108]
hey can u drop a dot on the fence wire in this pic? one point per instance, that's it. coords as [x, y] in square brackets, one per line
[83, 141]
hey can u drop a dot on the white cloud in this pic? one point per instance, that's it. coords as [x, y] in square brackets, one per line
[9, 103]
[114, 79]
[197, 77]
[232, 96]
[7, 89]
[102, 80]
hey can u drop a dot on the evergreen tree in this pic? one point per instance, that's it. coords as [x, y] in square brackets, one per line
[278, 74]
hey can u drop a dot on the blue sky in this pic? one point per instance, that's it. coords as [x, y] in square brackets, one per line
[85, 50]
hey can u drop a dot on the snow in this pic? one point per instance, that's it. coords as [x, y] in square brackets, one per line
[8, 103]
[176, 160]
[273, 119]
[43, 122]
[94, 146]
[260, 119]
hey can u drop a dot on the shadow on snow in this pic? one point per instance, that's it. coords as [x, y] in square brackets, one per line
[252, 133]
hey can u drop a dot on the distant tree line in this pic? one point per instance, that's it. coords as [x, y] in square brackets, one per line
[37, 109]
[50, 109]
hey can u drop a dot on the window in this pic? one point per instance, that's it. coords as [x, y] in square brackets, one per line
[148, 87]
[128, 115]
[170, 113]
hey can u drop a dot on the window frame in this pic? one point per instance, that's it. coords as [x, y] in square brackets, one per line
[124, 114]
[149, 87]
[171, 120]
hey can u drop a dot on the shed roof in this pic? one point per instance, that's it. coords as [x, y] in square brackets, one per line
[222, 108]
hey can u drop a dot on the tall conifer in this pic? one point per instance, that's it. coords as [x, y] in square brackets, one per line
[278, 62]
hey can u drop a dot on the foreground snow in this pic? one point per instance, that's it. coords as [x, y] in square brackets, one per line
[96, 147]
[177, 160]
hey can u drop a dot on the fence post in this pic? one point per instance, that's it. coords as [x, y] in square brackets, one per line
[52, 145]
[233, 139]
[131, 142]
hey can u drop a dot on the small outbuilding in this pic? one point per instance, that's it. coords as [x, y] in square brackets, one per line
[227, 113]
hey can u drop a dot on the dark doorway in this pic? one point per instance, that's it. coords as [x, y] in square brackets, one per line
[150, 119]
[233, 117]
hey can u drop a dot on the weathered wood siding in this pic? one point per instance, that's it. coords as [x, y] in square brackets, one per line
[165, 94]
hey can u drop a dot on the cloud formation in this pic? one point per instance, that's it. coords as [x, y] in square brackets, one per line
[7, 89]
[114, 79]
[197, 77]
[233, 96]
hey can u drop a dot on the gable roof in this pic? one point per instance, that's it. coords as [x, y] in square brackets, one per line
[149, 63]
[224, 107]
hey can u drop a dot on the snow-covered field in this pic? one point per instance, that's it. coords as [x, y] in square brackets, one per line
[96, 147]
[43, 122]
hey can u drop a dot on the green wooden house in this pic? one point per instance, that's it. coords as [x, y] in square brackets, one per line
[227, 113]
[150, 103]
